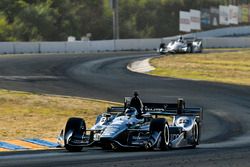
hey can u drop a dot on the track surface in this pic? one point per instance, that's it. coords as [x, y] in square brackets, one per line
[226, 130]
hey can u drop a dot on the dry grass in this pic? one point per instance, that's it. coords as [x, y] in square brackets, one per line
[226, 67]
[25, 115]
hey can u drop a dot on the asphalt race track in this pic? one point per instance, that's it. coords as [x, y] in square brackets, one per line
[226, 126]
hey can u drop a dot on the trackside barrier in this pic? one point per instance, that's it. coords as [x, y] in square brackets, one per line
[138, 44]
[53, 47]
[6, 47]
[224, 32]
[26, 47]
[111, 45]
[226, 42]
[103, 45]
[76, 47]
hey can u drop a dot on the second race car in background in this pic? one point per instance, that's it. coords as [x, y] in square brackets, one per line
[187, 45]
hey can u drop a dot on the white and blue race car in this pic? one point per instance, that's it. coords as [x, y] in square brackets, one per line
[123, 128]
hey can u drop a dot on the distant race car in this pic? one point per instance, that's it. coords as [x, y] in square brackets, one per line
[188, 45]
[122, 128]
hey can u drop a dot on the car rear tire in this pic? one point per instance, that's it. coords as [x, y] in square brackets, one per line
[190, 49]
[196, 135]
[73, 148]
[161, 125]
[106, 146]
[78, 126]
[201, 48]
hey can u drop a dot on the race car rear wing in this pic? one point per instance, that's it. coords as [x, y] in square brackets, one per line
[188, 39]
[192, 39]
[172, 109]
[198, 112]
[167, 109]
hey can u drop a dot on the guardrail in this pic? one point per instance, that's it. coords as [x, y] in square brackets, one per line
[110, 45]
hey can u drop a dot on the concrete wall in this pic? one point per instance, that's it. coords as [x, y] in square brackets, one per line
[224, 32]
[53, 47]
[226, 42]
[110, 45]
[26, 47]
[211, 39]
[103, 45]
[6, 47]
[78, 46]
[220, 32]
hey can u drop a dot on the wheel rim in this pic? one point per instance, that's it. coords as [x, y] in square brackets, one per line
[166, 134]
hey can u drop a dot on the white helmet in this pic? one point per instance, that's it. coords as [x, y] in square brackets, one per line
[131, 111]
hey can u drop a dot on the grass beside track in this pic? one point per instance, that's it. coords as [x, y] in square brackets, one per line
[226, 67]
[26, 115]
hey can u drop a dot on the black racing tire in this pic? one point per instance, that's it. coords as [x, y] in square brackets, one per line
[161, 125]
[190, 49]
[201, 49]
[107, 146]
[78, 126]
[73, 148]
[196, 135]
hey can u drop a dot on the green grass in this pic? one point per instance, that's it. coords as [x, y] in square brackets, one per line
[226, 67]
[26, 115]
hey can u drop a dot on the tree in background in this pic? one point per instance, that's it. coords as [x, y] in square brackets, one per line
[55, 20]
[36, 20]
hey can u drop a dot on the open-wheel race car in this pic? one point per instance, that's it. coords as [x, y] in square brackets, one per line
[123, 128]
[187, 45]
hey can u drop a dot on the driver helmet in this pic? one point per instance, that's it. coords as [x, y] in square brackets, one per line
[136, 93]
[180, 39]
[131, 111]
